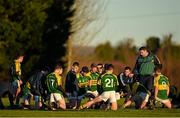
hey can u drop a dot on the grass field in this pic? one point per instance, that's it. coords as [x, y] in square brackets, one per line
[158, 112]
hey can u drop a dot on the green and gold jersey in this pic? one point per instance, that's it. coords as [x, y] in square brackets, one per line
[26, 89]
[94, 79]
[82, 83]
[59, 79]
[108, 82]
[52, 83]
[15, 70]
[162, 83]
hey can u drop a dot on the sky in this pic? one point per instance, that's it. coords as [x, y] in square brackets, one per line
[139, 19]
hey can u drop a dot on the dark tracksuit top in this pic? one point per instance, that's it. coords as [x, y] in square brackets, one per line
[71, 83]
[144, 69]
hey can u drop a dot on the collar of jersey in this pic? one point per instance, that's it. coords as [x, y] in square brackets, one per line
[108, 72]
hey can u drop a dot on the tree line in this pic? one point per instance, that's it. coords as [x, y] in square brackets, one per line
[126, 52]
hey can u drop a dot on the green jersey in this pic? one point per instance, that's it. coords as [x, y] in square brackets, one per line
[82, 84]
[145, 65]
[26, 89]
[94, 78]
[108, 82]
[52, 83]
[162, 83]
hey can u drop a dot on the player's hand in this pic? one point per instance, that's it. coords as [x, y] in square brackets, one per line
[131, 75]
[20, 81]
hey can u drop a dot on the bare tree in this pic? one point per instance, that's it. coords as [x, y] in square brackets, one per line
[87, 22]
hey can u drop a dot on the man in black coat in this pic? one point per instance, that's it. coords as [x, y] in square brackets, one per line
[71, 85]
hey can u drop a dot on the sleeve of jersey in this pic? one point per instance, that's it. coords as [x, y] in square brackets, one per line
[121, 79]
[156, 80]
[136, 68]
[50, 83]
[116, 79]
[99, 81]
[116, 83]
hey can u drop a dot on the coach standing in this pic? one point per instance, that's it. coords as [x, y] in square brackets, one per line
[144, 68]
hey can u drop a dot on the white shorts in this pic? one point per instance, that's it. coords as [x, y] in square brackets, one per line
[117, 96]
[55, 97]
[95, 93]
[111, 95]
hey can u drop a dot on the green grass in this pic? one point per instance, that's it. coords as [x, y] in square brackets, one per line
[163, 112]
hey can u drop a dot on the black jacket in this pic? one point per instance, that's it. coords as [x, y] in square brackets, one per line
[71, 83]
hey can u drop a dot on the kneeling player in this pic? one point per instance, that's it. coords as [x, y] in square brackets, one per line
[139, 95]
[109, 83]
[56, 96]
[161, 84]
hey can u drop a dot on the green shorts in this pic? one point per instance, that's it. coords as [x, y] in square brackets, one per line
[162, 100]
[162, 95]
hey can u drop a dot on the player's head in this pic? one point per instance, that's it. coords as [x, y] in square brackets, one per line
[93, 67]
[158, 69]
[75, 67]
[127, 71]
[20, 58]
[58, 69]
[45, 70]
[110, 68]
[143, 51]
[100, 68]
[85, 70]
[106, 66]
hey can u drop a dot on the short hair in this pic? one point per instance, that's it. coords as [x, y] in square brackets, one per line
[127, 68]
[19, 55]
[46, 68]
[106, 66]
[75, 64]
[99, 64]
[110, 67]
[85, 69]
[58, 66]
[143, 48]
[93, 65]
[158, 68]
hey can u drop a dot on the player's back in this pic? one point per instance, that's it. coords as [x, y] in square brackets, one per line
[109, 82]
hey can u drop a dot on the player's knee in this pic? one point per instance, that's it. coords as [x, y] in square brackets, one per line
[62, 104]
[114, 106]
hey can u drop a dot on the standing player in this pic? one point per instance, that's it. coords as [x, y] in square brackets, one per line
[16, 81]
[144, 69]
[109, 83]
[56, 96]
[161, 84]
